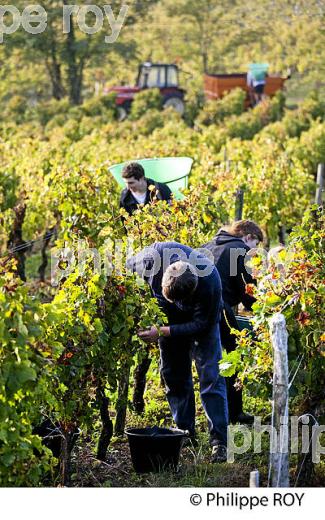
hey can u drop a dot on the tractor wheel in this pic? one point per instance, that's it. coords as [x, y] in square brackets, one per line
[176, 103]
[122, 113]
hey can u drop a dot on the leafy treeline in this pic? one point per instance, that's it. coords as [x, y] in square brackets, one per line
[205, 35]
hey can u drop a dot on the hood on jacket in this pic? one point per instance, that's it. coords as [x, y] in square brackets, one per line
[223, 238]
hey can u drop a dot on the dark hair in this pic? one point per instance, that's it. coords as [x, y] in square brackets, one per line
[133, 169]
[242, 228]
[179, 281]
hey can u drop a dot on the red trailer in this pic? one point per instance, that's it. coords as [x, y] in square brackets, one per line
[216, 85]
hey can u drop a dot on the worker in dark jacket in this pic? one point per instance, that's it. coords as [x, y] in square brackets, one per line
[229, 248]
[188, 289]
[139, 189]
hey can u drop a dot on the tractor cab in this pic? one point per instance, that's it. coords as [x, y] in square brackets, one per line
[156, 75]
[163, 76]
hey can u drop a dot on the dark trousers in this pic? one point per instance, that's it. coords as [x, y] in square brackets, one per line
[228, 342]
[176, 355]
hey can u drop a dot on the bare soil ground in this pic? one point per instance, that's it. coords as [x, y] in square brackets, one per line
[195, 469]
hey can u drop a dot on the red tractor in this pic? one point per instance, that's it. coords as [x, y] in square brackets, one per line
[153, 75]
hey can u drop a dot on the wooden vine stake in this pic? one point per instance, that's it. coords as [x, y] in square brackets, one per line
[254, 479]
[279, 452]
[239, 204]
[320, 184]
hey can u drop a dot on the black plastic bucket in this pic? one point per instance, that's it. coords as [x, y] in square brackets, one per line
[155, 449]
[244, 322]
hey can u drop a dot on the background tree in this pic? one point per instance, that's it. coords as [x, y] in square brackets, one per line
[67, 55]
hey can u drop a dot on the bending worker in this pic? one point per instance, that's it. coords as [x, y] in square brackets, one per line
[188, 289]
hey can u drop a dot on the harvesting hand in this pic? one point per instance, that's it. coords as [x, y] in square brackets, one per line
[152, 335]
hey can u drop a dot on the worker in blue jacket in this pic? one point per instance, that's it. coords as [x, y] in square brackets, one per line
[188, 288]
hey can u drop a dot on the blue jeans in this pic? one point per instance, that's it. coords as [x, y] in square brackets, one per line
[176, 355]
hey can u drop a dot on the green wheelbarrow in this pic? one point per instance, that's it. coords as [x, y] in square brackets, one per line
[173, 171]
